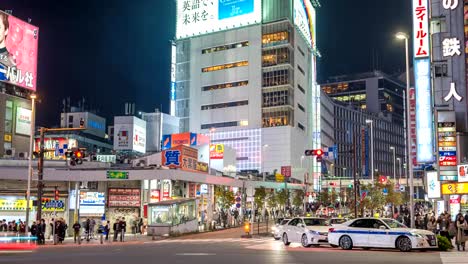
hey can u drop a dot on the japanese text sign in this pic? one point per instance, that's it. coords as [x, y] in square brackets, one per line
[420, 28]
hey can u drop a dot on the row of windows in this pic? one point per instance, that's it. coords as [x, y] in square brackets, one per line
[275, 78]
[351, 98]
[342, 87]
[275, 57]
[276, 38]
[224, 105]
[218, 125]
[277, 118]
[225, 66]
[224, 85]
[301, 107]
[301, 70]
[301, 89]
[300, 126]
[276, 98]
[226, 47]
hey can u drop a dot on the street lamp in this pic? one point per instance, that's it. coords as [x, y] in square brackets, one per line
[371, 122]
[30, 156]
[399, 169]
[404, 36]
[392, 148]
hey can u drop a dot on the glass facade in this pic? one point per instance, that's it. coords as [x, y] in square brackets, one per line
[225, 66]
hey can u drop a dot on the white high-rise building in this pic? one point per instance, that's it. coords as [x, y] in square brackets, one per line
[245, 73]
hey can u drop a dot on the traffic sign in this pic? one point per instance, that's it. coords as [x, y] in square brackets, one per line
[402, 188]
[385, 191]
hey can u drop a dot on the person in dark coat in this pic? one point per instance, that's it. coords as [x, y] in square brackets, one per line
[33, 229]
[116, 228]
[41, 229]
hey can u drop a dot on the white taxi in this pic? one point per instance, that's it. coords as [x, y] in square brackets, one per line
[306, 230]
[380, 233]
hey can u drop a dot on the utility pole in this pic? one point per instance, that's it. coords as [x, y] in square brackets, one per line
[355, 180]
[40, 174]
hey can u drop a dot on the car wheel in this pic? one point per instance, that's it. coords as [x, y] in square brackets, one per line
[404, 244]
[305, 241]
[346, 243]
[285, 240]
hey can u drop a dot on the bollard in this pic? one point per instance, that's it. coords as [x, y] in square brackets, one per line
[101, 238]
[153, 234]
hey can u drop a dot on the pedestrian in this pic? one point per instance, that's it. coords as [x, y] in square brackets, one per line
[116, 228]
[76, 232]
[123, 228]
[432, 225]
[460, 237]
[62, 230]
[107, 229]
[443, 225]
[88, 229]
[140, 226]
[91, 227]
[41, 229]
[33, 229]
[22, 228]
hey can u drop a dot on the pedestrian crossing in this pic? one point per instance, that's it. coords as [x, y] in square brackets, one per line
[454, 257]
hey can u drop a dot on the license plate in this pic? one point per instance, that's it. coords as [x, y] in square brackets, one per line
[432, 242]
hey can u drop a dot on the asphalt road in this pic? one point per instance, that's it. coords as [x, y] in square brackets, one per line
[219, 251]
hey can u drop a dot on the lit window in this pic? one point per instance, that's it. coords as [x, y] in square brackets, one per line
[225, 66]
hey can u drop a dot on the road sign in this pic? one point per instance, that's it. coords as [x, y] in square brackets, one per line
[385, 191]
[402, 188]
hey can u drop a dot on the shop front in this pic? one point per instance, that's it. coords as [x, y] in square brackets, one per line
[92, 206]
[124, 203]
[14, 208]
[458, 197]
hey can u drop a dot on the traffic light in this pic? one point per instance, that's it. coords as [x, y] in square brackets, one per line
[382, 179]
[313, 152]
[82, 123]
[76, 156]
[56, 194]
[350, 186]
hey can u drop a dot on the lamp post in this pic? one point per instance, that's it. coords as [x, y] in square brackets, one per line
[30, 156]
[392, 148]
[371, 122]
[404, 36]
[399, 170]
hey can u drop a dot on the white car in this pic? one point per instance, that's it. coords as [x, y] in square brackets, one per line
[380, 233]
[306, 230]
[277, 230]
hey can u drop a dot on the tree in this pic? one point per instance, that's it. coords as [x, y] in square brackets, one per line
[224, 197]
[282, 198]
[259, 197]
[298, 199]
[272, 200]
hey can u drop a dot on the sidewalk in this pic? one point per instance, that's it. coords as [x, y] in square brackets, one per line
[129, 239]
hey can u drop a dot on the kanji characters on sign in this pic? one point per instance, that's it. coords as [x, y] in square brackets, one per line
[421, 28]
[453, 93]
[451, 47]
[450, 4]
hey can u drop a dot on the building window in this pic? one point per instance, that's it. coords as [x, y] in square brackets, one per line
[224, 105]
[300, 88]
[300, 51]
[276, 38]
[300, 126]
[226, 47]
[218, 125]
[275, 78]
[274, 57]
[301, 107]
[440, 70]
[9, 117]
[277, 118]
[300, 69]
[225, 66]
[438, 25]
[70, 119]
[224, 85]
[276, 98]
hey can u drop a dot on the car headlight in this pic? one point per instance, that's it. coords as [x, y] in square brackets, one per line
[417, 235]
[274, 228]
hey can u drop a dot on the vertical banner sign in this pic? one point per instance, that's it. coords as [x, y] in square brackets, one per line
[465, 11]
[173, 78]
[447, 145]
[424, 132]
[412, 97]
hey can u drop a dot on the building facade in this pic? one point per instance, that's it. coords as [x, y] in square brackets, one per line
[94, 124]
[157, 125]
[250, 85]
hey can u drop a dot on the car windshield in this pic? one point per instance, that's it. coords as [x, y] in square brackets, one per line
[279, 221]
[394, 224]
[284, 222]
[315, 222]
[337, 221]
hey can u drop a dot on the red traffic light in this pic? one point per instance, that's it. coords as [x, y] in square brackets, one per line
[314, 152]
[318, 152]
[56, 194]
[78, 154]
[382, 179]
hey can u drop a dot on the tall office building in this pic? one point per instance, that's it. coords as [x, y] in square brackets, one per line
[244, 72]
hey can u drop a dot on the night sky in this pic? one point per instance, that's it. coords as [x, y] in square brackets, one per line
[112, 52]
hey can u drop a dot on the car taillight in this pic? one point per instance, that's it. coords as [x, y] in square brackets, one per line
[331, 230]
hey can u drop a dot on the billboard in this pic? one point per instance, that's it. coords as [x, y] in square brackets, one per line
[124, 197]
[187, 138]
[424, 131]
[463, 173]
[304, 19]
[455, 188]
[420, 28]
[433, 185]
[23, 121]
[195, 18]
[18, 51]
[216, 151]
[122, 137]
[139, 138]
[92, 203]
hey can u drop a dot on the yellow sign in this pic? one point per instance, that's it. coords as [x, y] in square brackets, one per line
[279, 177]
[7, 138]
[14, 204]
[455, 188]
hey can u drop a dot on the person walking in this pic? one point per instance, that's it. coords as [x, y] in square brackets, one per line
[123, 228]
[116, 229]
[140, 226]
[41, 229]
[87, 229]
[91, 227]
[443, 226]
[33, 229]
[107, 230]
[432, 225]
[76, 232]
[460, 237]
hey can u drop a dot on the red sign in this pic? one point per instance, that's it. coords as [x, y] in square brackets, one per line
[421, 28]
[155, 197]
[447, 163]
[120, 197]
[183, 157]
[286, 171]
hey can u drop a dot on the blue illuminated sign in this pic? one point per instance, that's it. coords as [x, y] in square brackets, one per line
[233, 8]
[173, 89]
[447, 153]
[95, 125]
[424, 131]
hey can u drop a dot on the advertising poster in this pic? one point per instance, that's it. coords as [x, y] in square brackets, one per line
[123, 137]
[23, 121]
[124, 197]
[139, 138]
[463, 173]
[202, 17]
[216, 151]
[92, 203]
[433, 185]
[304, 19]
[18, 51]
